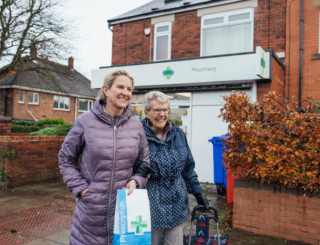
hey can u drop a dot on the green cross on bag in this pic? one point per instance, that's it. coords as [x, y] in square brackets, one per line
[139, 224]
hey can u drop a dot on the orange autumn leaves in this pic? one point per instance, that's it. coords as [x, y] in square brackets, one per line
[274, 142]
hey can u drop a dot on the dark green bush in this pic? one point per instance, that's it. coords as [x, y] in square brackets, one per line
[24, 129]
[23, 123]
[57, 131]
[50, 121]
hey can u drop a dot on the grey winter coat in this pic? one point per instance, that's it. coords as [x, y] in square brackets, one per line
[109, 148]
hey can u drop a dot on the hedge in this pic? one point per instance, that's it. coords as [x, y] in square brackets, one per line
[274, 142]
[24, 129]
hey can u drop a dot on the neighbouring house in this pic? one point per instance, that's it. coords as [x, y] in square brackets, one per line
[44, 89]
[196, 51]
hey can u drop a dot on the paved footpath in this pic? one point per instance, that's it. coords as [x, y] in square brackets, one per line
[41, 214]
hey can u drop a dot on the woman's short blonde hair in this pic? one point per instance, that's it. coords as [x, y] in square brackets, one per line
[154, 95]
[109, 79]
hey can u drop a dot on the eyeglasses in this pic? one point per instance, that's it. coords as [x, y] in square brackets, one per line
[157, 111]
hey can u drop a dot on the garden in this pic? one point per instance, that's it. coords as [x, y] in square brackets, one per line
[46, 127]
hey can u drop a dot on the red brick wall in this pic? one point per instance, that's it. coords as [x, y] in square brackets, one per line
[130, 45]
[274, 210]
[186, 30]
[43, 110]
[270, 26]
[277, 83]
[5, 128]
[35, 159]
[311, 72]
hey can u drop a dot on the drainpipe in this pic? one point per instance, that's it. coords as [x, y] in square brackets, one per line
[301, 50]
[5, 103]
[75, 110]
[32, 116]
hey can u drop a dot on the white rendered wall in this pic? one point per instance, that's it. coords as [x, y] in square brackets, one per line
[205, 125]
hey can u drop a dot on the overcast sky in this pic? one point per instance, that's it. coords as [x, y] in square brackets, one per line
[95, 45]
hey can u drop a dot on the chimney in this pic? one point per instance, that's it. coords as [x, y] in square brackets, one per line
[70, 63]
[33, 51]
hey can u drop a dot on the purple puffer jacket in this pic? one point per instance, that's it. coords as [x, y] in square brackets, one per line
[109, 149]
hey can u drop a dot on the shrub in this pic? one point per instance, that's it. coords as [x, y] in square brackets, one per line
[24, 129]
[57, 131]
[274, 142]
[23, 123]
[63, 130]
[45, 132]
[49, 121]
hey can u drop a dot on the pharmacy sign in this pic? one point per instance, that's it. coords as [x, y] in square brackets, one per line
[263, 63]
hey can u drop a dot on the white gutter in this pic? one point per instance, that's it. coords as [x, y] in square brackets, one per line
[46, 91]
[32, 116]
[128, 19]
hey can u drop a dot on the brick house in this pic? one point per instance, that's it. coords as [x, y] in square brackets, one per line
[196, 51]
[310, 49]
[45, 89]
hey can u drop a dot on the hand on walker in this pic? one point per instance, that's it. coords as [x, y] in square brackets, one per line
[131, 185]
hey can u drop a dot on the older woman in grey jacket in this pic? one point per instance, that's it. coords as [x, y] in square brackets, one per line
[110, 141]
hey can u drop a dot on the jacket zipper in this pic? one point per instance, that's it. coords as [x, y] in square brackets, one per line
[111, 182]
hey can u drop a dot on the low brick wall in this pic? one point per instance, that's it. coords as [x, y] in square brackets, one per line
[35, 159]
[275, 210]
[20, 134]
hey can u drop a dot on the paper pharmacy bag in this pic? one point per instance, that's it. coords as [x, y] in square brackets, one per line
[132, 222]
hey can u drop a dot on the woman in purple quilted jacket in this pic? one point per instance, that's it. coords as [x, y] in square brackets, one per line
[109, 141]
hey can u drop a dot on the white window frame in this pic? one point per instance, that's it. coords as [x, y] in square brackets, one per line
[88, 105]
[61, 109]
[166, 33]
[227, 23]
[33, 103]
[24, 97]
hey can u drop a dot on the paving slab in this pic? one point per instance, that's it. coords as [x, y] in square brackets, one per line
[61, 237]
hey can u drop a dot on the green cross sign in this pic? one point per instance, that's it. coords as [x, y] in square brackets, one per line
[168, 72]
[139, 224]
[263, 63]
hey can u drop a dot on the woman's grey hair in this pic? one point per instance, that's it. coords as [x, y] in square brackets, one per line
[109, 79]
[154, 95]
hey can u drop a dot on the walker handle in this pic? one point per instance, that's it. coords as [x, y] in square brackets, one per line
[216, 217]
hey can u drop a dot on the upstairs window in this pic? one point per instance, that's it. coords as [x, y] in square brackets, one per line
[227, 33]
[21, 97]
[85, 105]
[33, 98]
[61, 103]
[162, 41]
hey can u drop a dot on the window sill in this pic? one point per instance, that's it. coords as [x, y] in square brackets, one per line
[61, 110]
[32, 104]
[83, 111]
[315, 56]
[21, 103]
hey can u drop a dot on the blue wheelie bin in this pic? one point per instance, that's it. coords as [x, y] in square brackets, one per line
[219, 170]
